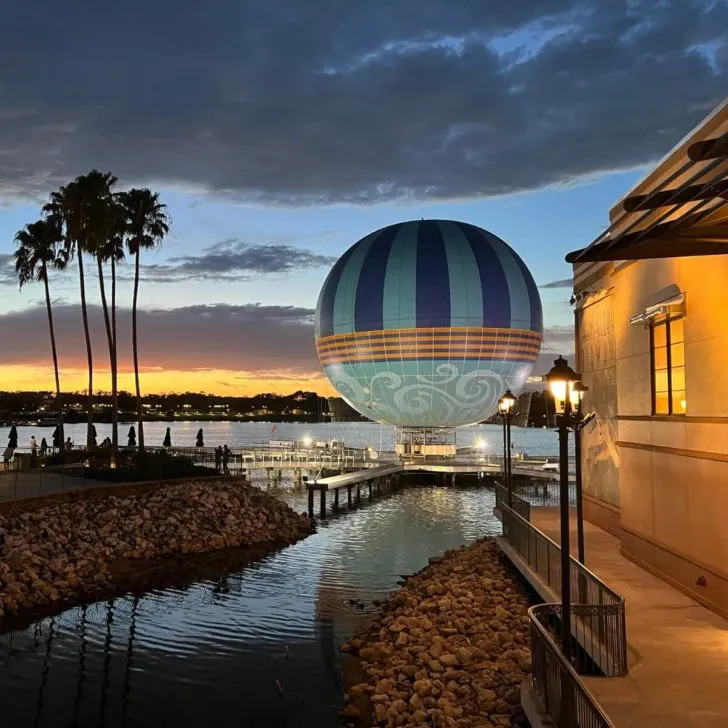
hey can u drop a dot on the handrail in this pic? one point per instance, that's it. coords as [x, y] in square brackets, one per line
[598, 627]
[562, 694]
[599, 624]
[519, 505]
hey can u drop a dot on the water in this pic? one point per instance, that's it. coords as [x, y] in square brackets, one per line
[255, 645]
[535, 442]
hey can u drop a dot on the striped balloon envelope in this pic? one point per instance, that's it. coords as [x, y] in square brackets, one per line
[426, 323]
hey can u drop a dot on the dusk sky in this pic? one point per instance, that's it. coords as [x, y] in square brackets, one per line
[280, 133]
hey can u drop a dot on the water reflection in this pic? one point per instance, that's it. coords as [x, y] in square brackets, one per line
[256, 641]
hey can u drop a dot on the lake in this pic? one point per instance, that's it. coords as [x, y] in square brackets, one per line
[255, 645]
[533, 441]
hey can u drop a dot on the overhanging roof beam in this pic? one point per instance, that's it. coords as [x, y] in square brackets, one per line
[709, 149]
[664, 198]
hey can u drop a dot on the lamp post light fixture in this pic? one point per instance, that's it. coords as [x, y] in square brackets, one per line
[505, 405]
[561, 380]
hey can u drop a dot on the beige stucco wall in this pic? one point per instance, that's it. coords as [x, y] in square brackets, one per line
[596, 361]
[670, 474]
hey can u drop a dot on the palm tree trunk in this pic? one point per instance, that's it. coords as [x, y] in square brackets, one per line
[107, 324]
[114, 367]
[140, 418]
[59, 404]
[89, 356]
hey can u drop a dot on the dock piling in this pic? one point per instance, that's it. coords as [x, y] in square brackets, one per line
[323, 503]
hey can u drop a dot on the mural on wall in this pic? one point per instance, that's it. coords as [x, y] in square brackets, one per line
[598, 365]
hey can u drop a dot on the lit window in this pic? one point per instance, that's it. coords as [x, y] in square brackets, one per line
[667, 345]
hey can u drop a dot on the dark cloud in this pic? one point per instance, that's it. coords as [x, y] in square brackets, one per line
[235, 258]
[275, 342]
[325, 101]
[563, 283]
[250, 338]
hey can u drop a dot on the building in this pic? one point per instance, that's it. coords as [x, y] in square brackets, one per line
[651, 301]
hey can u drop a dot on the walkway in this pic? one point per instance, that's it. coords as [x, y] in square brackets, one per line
[678, 650]
[16, 486]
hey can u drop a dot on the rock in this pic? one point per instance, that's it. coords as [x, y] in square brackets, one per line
[350, 711]
[456, 640]
[65, 549]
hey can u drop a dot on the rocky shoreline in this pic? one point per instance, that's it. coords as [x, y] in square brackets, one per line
[450, 648]
[66, 550]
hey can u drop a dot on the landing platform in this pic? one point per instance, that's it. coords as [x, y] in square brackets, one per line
[678, 649]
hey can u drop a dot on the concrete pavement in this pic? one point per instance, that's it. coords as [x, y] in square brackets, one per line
[678, 649]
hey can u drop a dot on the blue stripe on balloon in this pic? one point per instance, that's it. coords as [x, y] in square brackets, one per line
[346, 288]
[466, 295]
[328, 295]
[400, 283]
[533, 295]
[369, 304]
[433, 279]
[493, 281]
[517, 289]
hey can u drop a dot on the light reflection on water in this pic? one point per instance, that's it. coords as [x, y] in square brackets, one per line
[217, 651]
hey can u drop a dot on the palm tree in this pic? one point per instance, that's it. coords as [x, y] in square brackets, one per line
[103, 241]
[39, 247]
[67, 210]
[145, 225]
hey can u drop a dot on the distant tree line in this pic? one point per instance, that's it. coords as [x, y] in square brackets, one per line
[32, 405]
[90, 221]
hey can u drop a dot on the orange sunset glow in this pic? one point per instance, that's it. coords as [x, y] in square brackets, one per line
[159, 381]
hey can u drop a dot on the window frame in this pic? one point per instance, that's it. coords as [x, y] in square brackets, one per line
[667, 323]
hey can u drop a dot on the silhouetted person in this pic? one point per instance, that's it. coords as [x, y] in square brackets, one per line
[8, 456]
[33, 445]
[218, 458]
[43, 447]
[167, 438]
[225, 458]
[131, 437]
[69, 443]
[200, 439]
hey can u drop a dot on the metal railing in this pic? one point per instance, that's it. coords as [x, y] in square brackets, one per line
[260, 456]
[543, 494]
[563, 696]
[17, 483]
[519, 505]
[598, 622]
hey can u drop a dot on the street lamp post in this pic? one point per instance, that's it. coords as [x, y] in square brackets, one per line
[577, 394]
[505, 405]
[561, 380]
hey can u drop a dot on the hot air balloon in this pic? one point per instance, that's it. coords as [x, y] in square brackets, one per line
[425, 324]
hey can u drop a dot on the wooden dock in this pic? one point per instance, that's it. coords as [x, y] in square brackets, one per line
[382, 478]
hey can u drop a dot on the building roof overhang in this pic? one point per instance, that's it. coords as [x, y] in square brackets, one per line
[680, 208]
